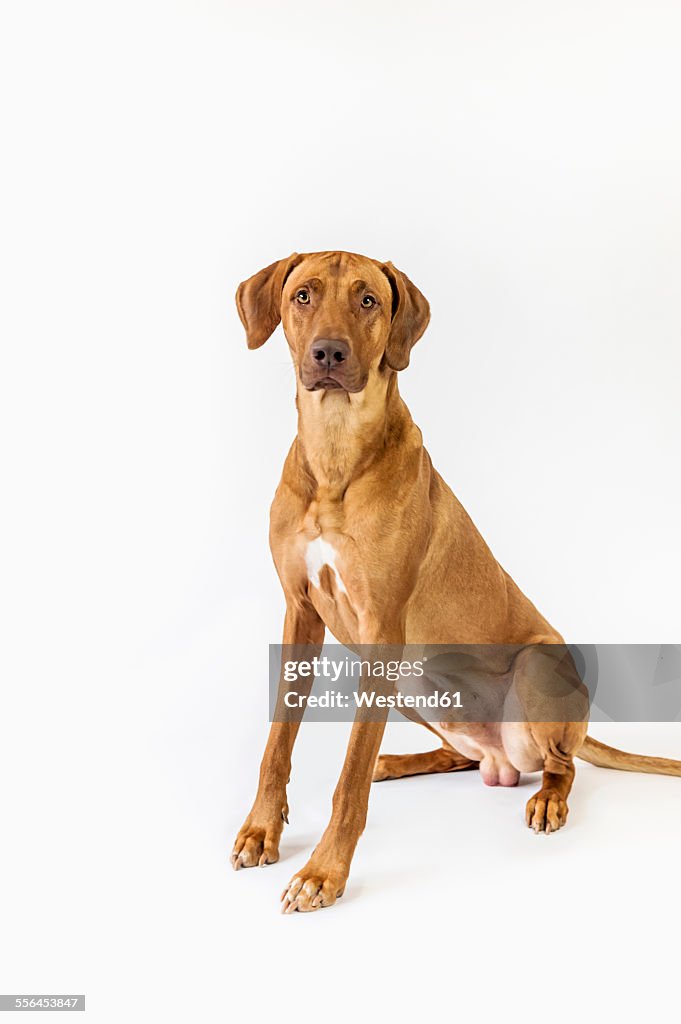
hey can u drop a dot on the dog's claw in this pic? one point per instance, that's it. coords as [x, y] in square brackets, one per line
[256, 846]
[312, 889]
[546, 812]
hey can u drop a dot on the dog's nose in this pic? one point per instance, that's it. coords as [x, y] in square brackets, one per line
[329, 352]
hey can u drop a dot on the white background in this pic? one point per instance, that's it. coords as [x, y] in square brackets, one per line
[521, 162]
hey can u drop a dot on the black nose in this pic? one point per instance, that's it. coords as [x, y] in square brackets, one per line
[329, 353]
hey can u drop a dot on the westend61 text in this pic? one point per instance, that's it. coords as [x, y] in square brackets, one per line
[370, 699]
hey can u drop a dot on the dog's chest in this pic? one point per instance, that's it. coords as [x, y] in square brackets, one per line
[329, 562]
[320, 553]
[324, 546]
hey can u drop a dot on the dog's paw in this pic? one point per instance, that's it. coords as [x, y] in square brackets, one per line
[311, 889]
[256, 845]
[547, 811]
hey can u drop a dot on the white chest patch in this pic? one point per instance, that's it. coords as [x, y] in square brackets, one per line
[318, 554]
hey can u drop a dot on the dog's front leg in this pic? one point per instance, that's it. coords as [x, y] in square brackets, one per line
[258, 840]
[323, 878]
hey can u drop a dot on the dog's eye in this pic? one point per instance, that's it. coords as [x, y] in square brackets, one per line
[303, 295]
[368, 301]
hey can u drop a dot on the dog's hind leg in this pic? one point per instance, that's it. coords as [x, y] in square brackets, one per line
[547, 810]
[430, 762]
[548, 686]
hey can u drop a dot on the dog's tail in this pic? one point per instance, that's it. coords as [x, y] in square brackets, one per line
[609, 757]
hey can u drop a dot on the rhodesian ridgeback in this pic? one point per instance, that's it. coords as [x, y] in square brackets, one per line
[369, 541]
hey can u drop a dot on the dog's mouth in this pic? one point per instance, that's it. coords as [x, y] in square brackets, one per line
[327, 384]
[348, 383]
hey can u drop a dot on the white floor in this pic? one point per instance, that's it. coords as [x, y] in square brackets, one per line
[115, 876]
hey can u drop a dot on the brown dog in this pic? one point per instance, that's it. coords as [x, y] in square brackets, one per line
[368, 540]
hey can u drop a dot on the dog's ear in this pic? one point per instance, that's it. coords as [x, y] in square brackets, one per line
[259, 300]
[410, 317]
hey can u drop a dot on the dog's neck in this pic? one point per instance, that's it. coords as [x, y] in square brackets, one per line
[341, 434]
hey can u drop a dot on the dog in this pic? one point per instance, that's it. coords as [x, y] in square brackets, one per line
[369, 541]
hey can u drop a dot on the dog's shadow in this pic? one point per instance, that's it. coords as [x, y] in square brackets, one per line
[296, 847]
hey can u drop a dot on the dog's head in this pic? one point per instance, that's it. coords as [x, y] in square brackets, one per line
[345, 316]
